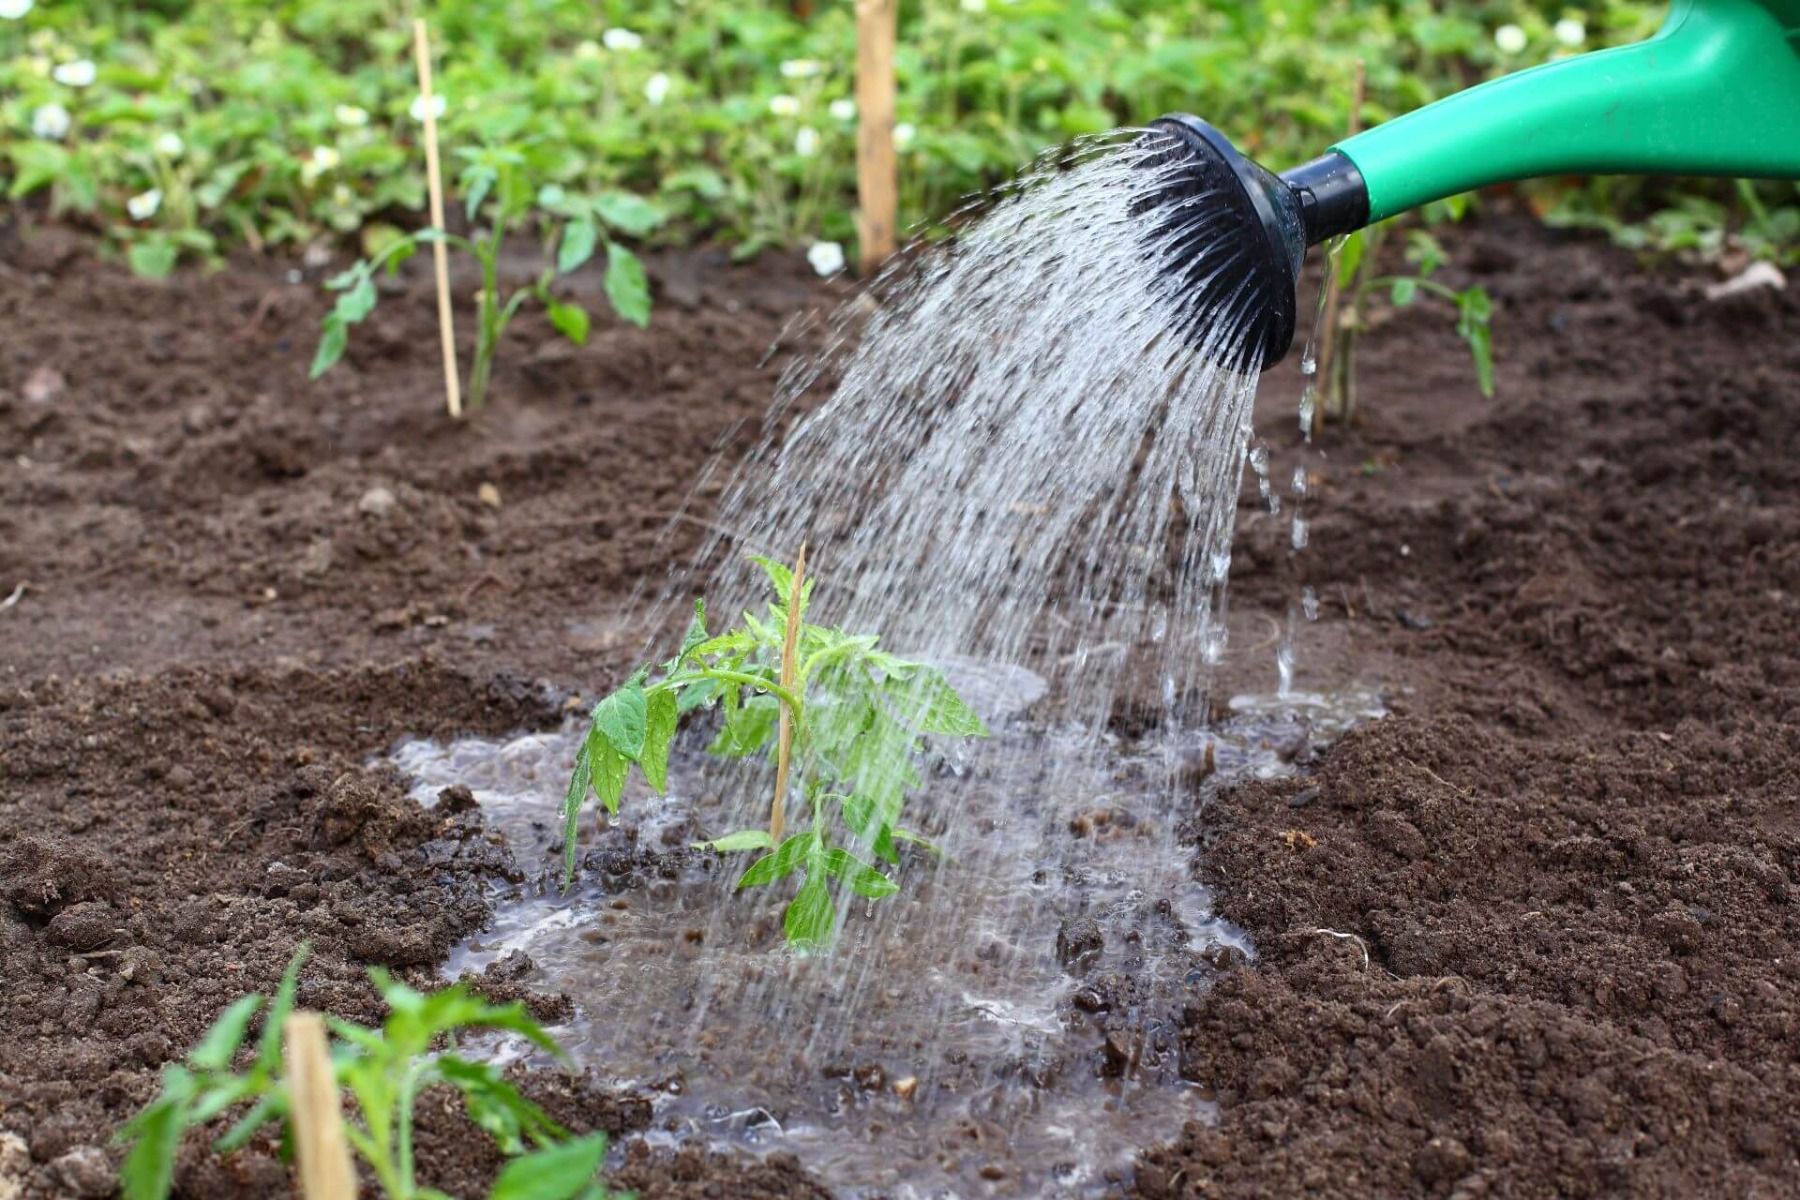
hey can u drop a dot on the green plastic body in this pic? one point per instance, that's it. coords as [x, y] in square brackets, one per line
[1715, 92]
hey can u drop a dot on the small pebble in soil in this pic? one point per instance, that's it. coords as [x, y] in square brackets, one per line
[377, 502]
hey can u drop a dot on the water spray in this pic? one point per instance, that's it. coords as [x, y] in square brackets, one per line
[1715, 92]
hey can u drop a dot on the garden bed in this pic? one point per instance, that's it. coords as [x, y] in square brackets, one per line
[1569, 852]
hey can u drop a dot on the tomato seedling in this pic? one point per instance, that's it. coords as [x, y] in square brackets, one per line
[576, 229]
[837, 716]
[384, 1070]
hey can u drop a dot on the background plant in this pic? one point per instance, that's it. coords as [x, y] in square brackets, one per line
[1358, 261]
[384, 1070]
[850, 719]
[575, 227]
[265, 124]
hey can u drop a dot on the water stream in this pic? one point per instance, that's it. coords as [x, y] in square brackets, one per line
[1019, 459]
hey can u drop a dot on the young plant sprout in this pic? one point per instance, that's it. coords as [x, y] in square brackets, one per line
[384, 1070]
[577, 228]
[843, 722]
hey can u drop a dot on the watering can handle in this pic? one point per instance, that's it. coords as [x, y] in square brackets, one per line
[1715, 92]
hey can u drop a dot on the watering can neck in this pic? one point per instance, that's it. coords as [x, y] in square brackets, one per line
[1715, 92]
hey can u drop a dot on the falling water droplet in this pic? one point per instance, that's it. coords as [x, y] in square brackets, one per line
[1309, 603]
[1299, 532]
[1299, 487]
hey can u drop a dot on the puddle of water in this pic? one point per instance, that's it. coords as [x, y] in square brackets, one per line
[1008, 1025]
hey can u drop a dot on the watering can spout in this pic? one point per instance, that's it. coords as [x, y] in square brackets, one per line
[1715, 92]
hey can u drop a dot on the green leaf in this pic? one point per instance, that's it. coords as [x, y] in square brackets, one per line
[558, 1172]
[747, 729]
[153, 258]
[334, 336]
[579, 782]
[356, 303]
[622, 717]
[1404, 290]
[149, 1168]
[630, 214]
[570, 320]
[496, 1105]
[627, 286]
[695, 636]
[227, 1033]
[748, 839]
[607, 767]
[807, 922]
[579, 240]
[661, 715]
[781, 576]
[271, 1107]
[477, 183]
[935, 706]
[863, 879]
[787, 857]
[268, 1049]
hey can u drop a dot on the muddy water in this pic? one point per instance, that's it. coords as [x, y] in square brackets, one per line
[1003, 1027]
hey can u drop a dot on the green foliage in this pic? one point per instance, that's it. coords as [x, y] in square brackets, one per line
[575, 227]
[1360, 281]
[272, 124]
[860, 716]
[384, 1070]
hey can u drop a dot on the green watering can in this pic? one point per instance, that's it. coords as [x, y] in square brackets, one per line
[1715, 92]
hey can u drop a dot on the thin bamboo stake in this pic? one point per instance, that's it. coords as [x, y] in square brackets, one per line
[1328, 336]
[440, 253]
[790, 661]
[877, 169]
[318, 1116]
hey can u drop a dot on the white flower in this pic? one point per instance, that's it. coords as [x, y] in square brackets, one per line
[1570, 32]
[827, 258]
[621, 39]
[143, 206]
[77, 74]
[806, 142]
[170, 145]
[1510, 39]
[51, 121]
[587, 48]
[844, 110]
[977, 6]
[801, 68]
[904, 134]
[656, 88]
[325, 158]
[784, 106]
[417, 108]
[12, 10]
[351, 116]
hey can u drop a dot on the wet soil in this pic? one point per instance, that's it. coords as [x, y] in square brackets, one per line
[1563, 868]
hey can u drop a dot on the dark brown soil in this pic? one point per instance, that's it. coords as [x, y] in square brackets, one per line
[1570, 855]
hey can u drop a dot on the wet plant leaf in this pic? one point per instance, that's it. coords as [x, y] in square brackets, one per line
[623, 717]
[863, 879]
[748, 728]
[661, 715]
[579, 783]
[807, 921]
[607, 768]
[783, 862]
[334, 336]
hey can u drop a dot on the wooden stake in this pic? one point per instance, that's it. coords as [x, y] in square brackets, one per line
[318, 1116]
[1323, 392]
[790, 661]
[877, 169]
[440, 253]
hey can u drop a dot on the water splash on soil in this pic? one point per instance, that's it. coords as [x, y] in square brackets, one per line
[986, 1046]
